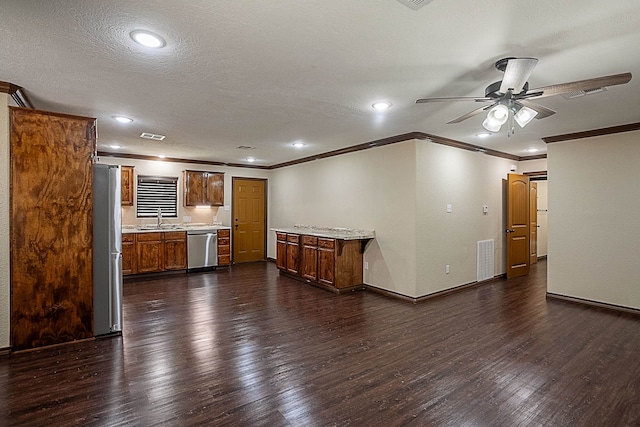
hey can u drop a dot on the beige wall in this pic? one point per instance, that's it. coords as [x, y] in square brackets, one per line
[467, 180]
[5, 284]
[594, 232]
[402, 191]
[371, 189]
[173, 169]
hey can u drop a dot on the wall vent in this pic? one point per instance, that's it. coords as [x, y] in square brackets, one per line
[485, 260]
[415, 4]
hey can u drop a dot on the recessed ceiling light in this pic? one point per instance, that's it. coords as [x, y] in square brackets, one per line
[116, 146]
[148, 39]
[381, 106]
[251, 159]
[298, 144]
[123, 119]
[532, 150]
[483, 135]
[161, 156]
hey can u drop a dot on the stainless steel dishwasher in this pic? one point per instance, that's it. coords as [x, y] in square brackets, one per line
[202, 248]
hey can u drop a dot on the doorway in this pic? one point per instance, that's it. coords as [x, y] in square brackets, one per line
[249, 213]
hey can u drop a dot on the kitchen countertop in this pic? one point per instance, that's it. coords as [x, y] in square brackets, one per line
[126, 229]
[329, 232]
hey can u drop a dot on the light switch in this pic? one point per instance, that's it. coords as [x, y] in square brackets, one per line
[449, 208]
[485, 209]
[186, 219]
[227, 208]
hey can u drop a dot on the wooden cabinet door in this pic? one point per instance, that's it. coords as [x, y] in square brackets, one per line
[194, 188]
[51, 229]
[310, 257]
[127, 185]
[149, 253]
[128, 254]
[326, 261]
[281, 251]
[175, 250]
[214, 189]
[293, 253]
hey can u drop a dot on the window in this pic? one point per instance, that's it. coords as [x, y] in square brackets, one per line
[157, 192]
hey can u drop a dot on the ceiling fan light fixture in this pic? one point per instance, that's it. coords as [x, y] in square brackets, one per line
[524, 116]
[491, 125]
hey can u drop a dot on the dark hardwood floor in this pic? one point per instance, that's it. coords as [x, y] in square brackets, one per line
[246, 347]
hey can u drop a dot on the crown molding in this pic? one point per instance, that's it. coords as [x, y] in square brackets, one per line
[17, 93]
[591, 133]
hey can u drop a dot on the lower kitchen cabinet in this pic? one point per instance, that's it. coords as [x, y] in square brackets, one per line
[154, 252]
[293, 253]
[326, 261]
[281, 251]
[149, 253]
[333, 263]
[224, 248]
[129, 254]
[310, 257]
[175, 250]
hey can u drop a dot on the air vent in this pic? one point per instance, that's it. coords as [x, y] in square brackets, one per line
[245, 147]
[147, 135]
[581, 93]
[485, 260]
[415, 4]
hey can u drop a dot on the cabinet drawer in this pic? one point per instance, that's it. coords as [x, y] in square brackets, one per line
[223, 233]
[128, 237]
[326, 243]
[149, 237]
[175, 235]
[309, 240]
[224, 259]
[223, 250]
[224, 241]
[293, 238]
[281, 236]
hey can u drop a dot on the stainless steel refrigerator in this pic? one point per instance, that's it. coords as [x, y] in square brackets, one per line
[107, 250]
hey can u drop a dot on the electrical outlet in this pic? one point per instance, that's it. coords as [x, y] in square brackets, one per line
[447, 269]
[366, 265]
[186, 219]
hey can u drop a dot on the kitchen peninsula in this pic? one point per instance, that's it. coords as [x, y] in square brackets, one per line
[331, 258]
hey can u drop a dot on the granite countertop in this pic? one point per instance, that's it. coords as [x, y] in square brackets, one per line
[152, 228]
[329, 232]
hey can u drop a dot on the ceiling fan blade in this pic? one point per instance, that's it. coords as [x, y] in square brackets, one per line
[582, 85]
[454, 98]
[516, 74]
[471, 114]
[540, 109]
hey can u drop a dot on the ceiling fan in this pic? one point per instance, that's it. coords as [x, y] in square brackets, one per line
[511, 99]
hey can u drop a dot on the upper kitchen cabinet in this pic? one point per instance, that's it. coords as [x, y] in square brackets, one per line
[51, 227]
[203, 188]
[127, 185]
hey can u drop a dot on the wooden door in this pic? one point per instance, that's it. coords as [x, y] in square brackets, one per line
[518, 222]
[293, 253]
[249, 219]
[128, 254]
[51, 228]
[127, 185]
[533, 224]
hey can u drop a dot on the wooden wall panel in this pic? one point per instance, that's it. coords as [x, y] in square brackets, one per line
[51, 228]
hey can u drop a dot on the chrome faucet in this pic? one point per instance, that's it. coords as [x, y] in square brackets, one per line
[159, 217]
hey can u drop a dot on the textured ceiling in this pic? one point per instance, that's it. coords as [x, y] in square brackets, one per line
[266, 74]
